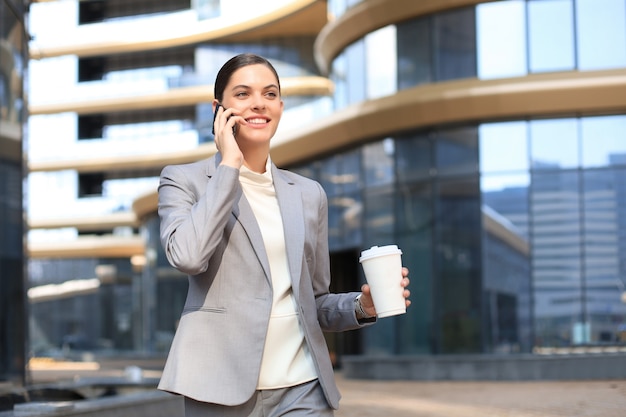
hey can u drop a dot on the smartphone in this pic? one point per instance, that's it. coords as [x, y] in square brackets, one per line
[217, 107]
[214, 117]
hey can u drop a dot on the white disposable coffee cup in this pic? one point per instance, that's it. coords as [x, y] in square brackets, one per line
[383, 271]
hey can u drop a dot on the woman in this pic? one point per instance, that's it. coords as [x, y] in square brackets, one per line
[253, 240]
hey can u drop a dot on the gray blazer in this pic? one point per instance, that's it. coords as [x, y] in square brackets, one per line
[209, 232]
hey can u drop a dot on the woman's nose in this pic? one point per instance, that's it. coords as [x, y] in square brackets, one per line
[258, 103]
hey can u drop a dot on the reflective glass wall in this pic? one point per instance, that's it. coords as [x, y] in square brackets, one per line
[498, 222]
[13, 56]
[491, 40]
[470, 271]
[513, 228]
[560, 183]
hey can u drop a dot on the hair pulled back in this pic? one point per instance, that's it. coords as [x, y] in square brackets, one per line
[232, 65]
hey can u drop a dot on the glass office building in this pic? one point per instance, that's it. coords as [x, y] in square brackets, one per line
[486, 138]
[13, 61]
[552, 181]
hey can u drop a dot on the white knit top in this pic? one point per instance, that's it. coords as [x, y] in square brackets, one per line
[286, 358]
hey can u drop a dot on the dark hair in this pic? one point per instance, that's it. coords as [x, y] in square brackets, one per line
[232, 65]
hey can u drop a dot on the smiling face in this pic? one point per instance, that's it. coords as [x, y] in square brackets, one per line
[253, 93]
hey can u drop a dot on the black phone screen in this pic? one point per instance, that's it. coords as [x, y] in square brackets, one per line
[217, 107]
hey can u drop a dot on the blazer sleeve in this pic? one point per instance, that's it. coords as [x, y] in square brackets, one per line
[194, 210]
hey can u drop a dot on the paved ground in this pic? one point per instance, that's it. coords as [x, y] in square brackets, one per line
[366, 398]
[482, 399]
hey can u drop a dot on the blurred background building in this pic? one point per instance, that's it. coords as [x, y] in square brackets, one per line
[13, 62]
[486, 138]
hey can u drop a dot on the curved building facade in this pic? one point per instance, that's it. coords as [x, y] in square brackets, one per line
[507, 114]
[485, 138]
[13, 61]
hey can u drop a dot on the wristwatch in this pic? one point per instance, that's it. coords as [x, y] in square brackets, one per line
[358, 308]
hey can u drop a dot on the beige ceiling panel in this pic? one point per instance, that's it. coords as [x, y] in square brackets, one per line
[297, 17]
[176, 97]
[124, 163]
[89, 247]
[87, 223]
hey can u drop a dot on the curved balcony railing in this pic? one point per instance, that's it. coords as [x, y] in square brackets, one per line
[367, 17]
[185, 28]
[170, 97]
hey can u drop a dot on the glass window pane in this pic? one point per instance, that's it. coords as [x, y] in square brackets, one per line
[506, 268]
[381, 62]
[505, 199]
[503, 147]
[414, 158]
[207, 9]
[456, 151]
[604, 257]
[551, 35]
[455, 44]
[378, 163]
[344, 221]
[601, 33]
[339, 78]
[501, 39]
[556, 254]
[356, 77]
[378, 216]
[414, 53]
[603, 141]
[554, 144]
[602, 227]
[414, 233]
[458, 264]
[340, 174]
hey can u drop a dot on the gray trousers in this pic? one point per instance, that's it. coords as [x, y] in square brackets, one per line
[301, 400]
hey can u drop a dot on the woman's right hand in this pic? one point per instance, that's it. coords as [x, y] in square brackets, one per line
[225, 125]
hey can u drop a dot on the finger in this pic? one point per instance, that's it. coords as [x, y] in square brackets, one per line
[216, 124]
[216, 128]
[222, 118]
[232, 122]
[366, 300]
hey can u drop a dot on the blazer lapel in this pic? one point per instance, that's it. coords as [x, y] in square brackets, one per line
[290, 202]
[245, 216]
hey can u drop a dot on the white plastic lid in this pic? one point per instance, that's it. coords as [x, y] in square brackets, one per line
[375, 251]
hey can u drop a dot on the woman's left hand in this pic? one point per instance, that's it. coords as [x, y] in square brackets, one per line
[366, 299]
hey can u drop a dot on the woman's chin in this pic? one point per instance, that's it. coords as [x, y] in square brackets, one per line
[255, 135]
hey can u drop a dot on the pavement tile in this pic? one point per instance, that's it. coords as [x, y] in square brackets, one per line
[366, 398]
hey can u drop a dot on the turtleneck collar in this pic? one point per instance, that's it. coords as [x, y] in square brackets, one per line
[255, 178]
